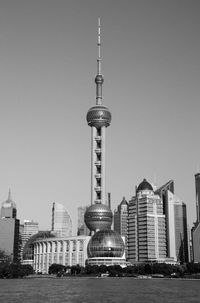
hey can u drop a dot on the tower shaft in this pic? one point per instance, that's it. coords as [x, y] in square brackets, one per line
[98, 117]
[98, 138]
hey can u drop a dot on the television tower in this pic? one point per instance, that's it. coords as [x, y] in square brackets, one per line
[98, 118]
[105, 245]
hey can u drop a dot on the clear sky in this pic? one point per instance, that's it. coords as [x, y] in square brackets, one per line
[151, 68]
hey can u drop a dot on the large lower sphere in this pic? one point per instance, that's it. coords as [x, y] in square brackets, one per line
[98, 217]
[105, 243]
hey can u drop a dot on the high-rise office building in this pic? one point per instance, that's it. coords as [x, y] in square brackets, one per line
[120, 220]
[61, 221]
[28, 229]
[197, 191]
[9, 229]
[176, 223]
[81, 227]
[181, 236]
[146, 226]
[8, 208]
[105, 246]
[195, 232]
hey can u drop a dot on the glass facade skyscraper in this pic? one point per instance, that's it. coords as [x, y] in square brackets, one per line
[120, 220]
[176, 223]
[61, 221]
[28, 229]
[196, 227]
[81, 227]
[197, 192]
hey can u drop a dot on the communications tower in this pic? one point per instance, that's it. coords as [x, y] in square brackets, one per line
[98, 118]
[105, 246]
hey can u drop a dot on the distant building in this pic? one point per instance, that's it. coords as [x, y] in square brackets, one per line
[120, 220]
[196, 228]
[81, 227]
[28, 229]
[61, 221]
[9, 229]
[196, 242]
[197, 191]
[146, 226]
[8, 208]
[67, 251]
[108, 202]
[181, 231]
[176, 223]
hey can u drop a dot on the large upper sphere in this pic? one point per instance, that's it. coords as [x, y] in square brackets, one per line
[98, 217]
[105, 243]
[98, 116]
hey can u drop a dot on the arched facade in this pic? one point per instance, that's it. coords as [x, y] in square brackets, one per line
[66, 251]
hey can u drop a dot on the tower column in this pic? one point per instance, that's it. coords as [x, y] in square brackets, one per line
[93, 166]
[103, 166]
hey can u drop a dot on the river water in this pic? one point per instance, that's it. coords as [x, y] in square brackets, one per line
[99, 290]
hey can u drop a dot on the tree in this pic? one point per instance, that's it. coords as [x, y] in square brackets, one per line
[75, 269]
[4, 257]
[103, 269]
[92, 269]
[14, 270]
[56, 268]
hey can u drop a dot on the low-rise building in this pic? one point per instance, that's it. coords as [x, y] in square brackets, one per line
[67, 251]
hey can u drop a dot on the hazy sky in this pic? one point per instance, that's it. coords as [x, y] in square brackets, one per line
[151, 67]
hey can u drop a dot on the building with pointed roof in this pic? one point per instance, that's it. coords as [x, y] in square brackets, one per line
[8, 208]
[9, 229]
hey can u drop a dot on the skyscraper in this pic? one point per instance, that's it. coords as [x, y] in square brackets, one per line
[28, 229]
[196, 228]
[176, 223]
[81, 227]
[61, 221]
[8, 208]
[181, 236]
[9, 229]
[120, 220]
[197, 191]
[105, 246]
[146, 226]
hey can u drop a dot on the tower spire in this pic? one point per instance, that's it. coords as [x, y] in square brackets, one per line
[9, 194]
[99, 78]
[99, 48]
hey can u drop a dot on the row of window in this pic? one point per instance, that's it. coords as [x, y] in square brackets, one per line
[60, 247]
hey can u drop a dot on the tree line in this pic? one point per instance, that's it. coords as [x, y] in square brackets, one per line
[9, 269]
[12, 270]
[153, 269]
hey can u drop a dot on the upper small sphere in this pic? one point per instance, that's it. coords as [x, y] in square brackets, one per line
[98, 217]
[99, 79]
[105, 243]
[144, 185]
[98, 116]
